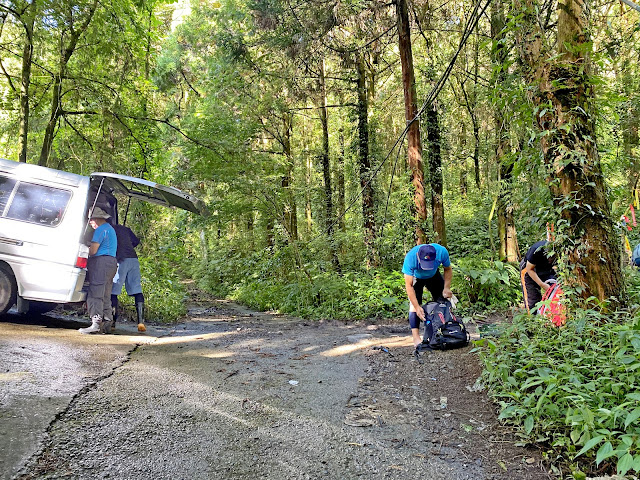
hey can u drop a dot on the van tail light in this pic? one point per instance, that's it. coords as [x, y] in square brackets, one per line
[83, 254]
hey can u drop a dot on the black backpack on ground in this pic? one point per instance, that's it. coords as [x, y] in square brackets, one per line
[442, 329]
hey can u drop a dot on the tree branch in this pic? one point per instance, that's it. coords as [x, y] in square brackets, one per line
[172, 126]
[77, 132]
[189, 83]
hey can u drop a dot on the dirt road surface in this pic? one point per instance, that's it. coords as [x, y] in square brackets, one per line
[234, 394]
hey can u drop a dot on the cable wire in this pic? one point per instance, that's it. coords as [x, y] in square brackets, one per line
[472, 21]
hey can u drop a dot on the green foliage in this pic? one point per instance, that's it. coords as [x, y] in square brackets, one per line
[351, 296]
[270, 280]
[163, 291]
[575, 389]
[486, 285]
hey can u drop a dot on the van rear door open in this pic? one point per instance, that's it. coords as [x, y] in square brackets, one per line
[148, 191]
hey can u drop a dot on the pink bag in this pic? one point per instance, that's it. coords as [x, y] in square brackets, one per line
[552, 308]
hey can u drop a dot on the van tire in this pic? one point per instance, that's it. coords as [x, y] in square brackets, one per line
[8, 289]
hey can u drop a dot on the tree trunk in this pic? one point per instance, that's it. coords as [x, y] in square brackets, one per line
[290, 209]
[27, 60]
[368, 219]
[56, 111]
[435, 175]
[472, 110]
[476, 152]
[308, 215]
[65, 56]
[462, 183]
[587, 240]
[326, 170]
[340, 186]
[414, 147]
[506, 224]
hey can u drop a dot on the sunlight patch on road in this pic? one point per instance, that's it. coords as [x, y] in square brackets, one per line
[194, 338]
[225, 354]
[390, 343]
[17, 376]
[310, 349]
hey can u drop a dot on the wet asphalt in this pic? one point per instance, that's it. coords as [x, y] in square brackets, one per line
[44, 364]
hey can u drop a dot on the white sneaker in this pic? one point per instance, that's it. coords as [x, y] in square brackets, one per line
[96, 322]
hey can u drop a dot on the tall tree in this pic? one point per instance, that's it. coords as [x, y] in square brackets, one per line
[499, 53]
[76, 20]
[435, 174]
[565, 115]
[414, 145]
[326, 167]
[25, 13]
[290, 206]
[366, 179]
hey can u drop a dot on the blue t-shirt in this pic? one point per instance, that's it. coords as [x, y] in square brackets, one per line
[105, 235]
[411, 266]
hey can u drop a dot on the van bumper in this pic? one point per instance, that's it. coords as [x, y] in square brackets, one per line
[56, 284]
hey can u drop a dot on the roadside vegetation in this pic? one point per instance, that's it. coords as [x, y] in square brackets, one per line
[573, 390]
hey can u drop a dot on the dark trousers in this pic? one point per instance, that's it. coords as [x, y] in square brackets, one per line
[435, 285]
[531, 290]
[101, 271]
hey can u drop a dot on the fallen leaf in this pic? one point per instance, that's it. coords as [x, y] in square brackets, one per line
[359, 422]
[301, 357]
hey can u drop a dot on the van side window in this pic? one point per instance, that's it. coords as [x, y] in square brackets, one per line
[39, 204]
[6, 187]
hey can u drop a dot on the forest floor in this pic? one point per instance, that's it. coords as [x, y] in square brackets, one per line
[232, 393]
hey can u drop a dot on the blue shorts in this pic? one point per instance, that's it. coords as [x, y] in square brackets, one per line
[128, 274]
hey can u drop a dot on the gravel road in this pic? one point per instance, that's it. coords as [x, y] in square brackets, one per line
[234, 394]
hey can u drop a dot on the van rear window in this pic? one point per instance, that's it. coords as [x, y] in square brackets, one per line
[6, 187]
[39, 204]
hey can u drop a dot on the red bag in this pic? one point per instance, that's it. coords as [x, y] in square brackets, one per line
[552, 308]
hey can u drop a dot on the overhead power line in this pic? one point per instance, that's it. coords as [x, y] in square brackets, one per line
[472, 21]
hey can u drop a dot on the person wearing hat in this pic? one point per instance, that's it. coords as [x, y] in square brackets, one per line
[537, 274]
[420, 270]
[101, 268]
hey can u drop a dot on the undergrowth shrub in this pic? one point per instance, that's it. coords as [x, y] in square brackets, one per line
[350, 296]
[576, 389]
[271, 281]
[163, 291]
[484, 285]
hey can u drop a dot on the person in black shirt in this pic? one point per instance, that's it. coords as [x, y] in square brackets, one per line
[128, 273]
[537, 272]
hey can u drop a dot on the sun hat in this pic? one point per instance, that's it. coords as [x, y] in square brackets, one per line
[99, 213]
[427, 257]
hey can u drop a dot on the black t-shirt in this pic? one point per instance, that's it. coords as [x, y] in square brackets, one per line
[537, 255]
[127, 241]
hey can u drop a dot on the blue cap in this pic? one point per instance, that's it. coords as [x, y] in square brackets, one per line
[427, 257]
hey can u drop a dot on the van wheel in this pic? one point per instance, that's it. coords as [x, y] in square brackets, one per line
[8, 289]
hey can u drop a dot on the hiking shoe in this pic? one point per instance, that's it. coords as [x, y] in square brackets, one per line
[96, 325]
[108, 326]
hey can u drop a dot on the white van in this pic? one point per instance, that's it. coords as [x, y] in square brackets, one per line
[44, 231]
